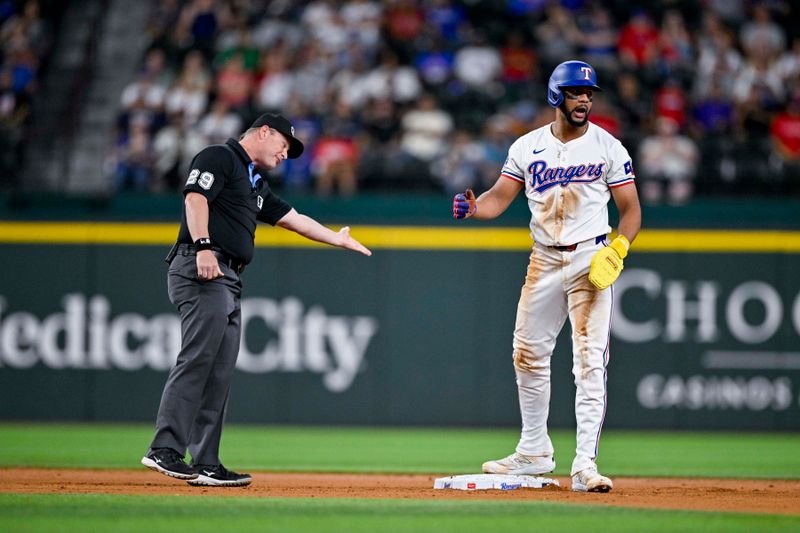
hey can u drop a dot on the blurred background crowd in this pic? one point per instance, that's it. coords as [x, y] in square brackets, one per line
[429, 94]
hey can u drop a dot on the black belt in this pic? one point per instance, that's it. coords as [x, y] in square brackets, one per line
[234, 264]
[573, 247]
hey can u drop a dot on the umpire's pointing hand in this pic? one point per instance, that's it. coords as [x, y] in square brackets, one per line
[350, 243]
[208, 266]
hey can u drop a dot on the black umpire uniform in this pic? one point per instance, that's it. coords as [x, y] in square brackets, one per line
[195, 396]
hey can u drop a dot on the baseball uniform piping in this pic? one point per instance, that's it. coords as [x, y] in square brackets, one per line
[508, 175]
[620, 183]
[606, 355]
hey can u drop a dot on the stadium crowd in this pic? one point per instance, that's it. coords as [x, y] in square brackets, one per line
[25, 43]
[429, 94]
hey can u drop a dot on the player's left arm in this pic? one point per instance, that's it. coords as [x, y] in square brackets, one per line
[608, 262]
[626, 198]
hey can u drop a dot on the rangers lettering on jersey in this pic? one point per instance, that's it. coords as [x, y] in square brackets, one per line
[542, 177]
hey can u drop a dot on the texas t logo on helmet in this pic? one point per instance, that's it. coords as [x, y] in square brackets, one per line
[570, 74]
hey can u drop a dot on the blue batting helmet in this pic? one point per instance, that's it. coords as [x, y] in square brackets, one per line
[570, 74]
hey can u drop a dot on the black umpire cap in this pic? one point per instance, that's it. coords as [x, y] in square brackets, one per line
[279, 122]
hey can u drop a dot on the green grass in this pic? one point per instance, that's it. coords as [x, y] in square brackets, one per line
[406, 450]
[102, 513]
[402, 450]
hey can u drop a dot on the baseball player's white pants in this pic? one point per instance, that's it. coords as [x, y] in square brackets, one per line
[557, 286]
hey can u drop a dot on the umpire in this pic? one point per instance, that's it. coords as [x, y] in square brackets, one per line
[223, 200]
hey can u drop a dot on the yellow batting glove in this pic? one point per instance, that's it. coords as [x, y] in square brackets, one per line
[607, 263]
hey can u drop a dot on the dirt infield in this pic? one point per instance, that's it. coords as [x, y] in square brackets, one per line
[731, 495]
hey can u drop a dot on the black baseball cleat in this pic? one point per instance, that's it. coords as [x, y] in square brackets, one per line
[219, 476]
[168, 462]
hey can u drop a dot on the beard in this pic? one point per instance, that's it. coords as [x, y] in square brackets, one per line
[571, 120]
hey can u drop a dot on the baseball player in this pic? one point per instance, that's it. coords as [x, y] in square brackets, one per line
[569, 170]
[224, 198]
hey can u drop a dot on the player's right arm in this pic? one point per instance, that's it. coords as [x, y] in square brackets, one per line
[488, 205]
[496, 200]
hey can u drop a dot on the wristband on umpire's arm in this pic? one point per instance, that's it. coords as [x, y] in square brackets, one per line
[203, 243]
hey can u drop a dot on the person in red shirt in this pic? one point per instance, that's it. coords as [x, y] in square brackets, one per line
[785, 137]
[785, 130]
[235, 84]
[519, 61]
[638, 41]
[670, 102]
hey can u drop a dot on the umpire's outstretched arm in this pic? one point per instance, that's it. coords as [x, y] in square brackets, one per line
[311, 229]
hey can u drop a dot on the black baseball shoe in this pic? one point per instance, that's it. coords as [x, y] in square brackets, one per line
[219, 476]
[168, 462]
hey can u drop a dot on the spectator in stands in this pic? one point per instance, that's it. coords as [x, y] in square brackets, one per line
[335, 155]
[219, 124]
[667, 164]
[295, 174]
[425, 129]
[235, 85]
[202, 18]
[390, 79]
[238, 41]
[670, 101]
[638, 40]
[435, 64]
[173, 147]
[448, 18]
[519, 65]
[351, 84]
[713, 115]
[23, 65]
[13, 113]
[278, 28]
[598, 40]
[634, 110]
[675, 48]
[761, 35]
[325, 25]
[478, 65]
[135, 158]
[404, 21]
[334, 164]
[557, 36]
[459, 166]
[788, 65]
[143, 100]
[276, 83]
[719, 62]
[732, 12]
[362, 21]
[188, 96]
[311, 73]
[785, 138]
[638, 44]
[759, 73]
[27, 30]
[497, 136]
[605, 115]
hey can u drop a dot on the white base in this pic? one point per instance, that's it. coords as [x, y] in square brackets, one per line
[493, 481]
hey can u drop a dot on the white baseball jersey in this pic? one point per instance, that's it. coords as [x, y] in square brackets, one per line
[568, 184]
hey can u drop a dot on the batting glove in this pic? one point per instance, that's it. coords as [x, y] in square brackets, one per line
[607, 263]
[464, 205]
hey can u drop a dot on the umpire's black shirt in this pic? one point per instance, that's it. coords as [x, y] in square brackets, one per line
[222, 173]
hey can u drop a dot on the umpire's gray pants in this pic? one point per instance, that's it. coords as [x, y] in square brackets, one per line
[195, 396]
